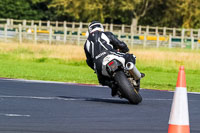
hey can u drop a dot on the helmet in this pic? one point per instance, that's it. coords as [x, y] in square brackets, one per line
[95, 25]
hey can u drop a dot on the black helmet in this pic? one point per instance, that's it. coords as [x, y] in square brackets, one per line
[95, 25]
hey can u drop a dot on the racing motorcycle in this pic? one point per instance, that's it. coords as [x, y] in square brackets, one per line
[125, 76]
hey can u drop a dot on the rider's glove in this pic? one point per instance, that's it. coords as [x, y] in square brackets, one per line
[125, 49]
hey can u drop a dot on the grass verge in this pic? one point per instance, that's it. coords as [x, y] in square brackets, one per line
[66, 63]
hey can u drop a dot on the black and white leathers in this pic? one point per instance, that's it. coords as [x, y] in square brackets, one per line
[99, 42]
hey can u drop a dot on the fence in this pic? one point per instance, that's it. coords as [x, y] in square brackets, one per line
[73, 32]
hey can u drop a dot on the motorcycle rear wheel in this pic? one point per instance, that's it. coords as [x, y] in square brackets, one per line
[126, 89]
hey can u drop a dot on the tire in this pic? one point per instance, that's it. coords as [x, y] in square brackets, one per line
[126, 89]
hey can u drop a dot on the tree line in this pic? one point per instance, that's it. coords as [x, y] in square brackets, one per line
[169, 13]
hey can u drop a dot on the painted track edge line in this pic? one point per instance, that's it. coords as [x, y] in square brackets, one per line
[79, 84]
[52, 82]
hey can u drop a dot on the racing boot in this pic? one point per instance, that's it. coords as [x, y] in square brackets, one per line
[142, 75]
[111, 85]
[114, 91]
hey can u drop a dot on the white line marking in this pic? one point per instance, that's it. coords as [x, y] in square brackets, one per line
[194, 92]
[55, 98]
[41, 98]
[188, 92]
[15, 115]
[159, 99]
[52, 82]
[79, 99]
[57, 82]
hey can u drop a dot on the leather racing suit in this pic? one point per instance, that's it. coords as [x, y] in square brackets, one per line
[98, 45]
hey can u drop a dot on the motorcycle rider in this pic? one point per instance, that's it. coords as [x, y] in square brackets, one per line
[98, 45]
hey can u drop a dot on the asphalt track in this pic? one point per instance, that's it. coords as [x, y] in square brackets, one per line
[47, 107]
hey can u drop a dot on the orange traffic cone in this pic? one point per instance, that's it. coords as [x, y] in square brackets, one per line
[179, 116]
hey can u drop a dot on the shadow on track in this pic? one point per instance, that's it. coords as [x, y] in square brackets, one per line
[104, 100]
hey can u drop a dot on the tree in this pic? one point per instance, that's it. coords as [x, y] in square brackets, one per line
[78, 10]
[154, 16]
[138, 8]
[165, 13]
[41, 6]
[169, 13]
[189, 9]
[18, 9]
[179, 13]
[24, 9]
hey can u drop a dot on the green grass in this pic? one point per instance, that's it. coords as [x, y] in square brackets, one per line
[166, 79]
[79, 72]
[51, 69]
[24, 63]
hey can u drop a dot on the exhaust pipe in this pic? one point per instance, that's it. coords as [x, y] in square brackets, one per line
[133, 70]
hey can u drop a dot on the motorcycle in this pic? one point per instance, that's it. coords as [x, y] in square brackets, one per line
[125, 76]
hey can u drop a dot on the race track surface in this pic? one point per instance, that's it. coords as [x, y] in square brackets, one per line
[45, 107]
